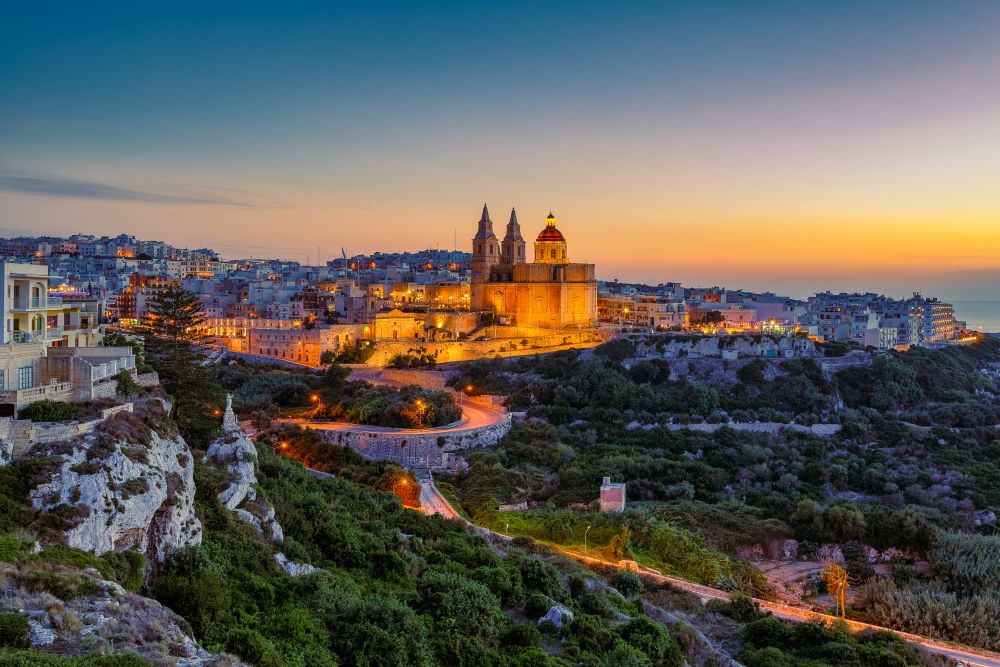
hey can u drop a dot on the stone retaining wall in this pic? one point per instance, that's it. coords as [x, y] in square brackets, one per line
[770, 428]
[24, 434]
[463, 350]
[429, 449]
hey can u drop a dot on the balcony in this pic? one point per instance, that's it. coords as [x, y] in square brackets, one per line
[54, 391]
[25, 303]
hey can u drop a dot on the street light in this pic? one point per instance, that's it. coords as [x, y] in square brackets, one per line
[585, 541]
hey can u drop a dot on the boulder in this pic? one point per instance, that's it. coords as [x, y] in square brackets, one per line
[558, 616]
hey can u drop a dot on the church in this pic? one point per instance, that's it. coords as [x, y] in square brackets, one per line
[550, 293]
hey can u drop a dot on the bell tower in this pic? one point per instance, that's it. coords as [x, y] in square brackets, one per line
[485, 249]
[513, 242]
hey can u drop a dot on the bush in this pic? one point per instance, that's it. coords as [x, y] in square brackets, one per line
[14, 631]
[48, 411]
[522, 634]
[126, 384]
[628, 583]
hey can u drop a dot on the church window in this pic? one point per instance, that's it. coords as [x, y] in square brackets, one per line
[491, 248]
[552, 253]
[519, 251]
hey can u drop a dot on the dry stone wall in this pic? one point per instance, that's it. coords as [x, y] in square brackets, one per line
[431, 449]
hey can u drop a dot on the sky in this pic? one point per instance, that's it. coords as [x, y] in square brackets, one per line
[785, 146]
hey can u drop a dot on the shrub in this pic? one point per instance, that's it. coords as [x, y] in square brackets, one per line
[628, 584]
[126, 384]
[48, 411]
[522, 634]
[14, 631]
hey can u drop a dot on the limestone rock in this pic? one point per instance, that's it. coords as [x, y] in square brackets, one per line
[110, 617]
[6, 452]
[237, 455]
[293, 568]
[123, 495]
[558, 616]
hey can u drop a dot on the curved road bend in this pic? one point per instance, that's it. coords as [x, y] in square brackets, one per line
[432, 502]
[474, 416]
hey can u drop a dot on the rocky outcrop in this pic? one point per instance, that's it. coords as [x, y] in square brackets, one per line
[126, 486]
[235, 453]
[293, 568]
[107, 619]
[558, 616]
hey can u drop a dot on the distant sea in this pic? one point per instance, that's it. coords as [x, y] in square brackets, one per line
[980, 315]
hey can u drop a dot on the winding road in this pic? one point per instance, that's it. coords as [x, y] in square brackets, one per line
[432, 502]
[474, 416]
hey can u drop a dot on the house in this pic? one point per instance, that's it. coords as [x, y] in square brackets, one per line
[612, 496]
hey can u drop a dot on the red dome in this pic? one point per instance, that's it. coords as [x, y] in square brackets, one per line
[550, 234]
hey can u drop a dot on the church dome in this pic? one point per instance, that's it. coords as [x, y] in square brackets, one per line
[550, 233]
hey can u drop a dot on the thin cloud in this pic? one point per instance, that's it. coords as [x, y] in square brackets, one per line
[56, 186]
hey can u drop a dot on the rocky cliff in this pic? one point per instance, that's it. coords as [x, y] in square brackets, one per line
[128, 485]
[235, 453]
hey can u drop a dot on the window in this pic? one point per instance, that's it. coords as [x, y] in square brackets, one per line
[552, 253]
[25, 377]
[3, 381]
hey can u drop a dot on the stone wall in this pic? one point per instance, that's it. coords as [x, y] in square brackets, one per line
[430, 449]
[731, 347]
[770, 428]
[464, 350]
[24, 434]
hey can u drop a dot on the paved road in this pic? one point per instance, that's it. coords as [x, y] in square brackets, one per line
[474, 416]
[432, 502]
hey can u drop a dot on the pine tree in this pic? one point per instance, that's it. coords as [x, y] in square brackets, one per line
[175, 328]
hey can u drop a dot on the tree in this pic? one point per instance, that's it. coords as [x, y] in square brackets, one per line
[836, 584]
[175, 327]
[712, 317]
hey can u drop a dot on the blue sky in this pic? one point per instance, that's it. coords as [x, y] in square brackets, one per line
[728, 138]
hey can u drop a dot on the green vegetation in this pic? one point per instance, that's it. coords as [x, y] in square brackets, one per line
[912, 467]
[174, 325]
[330, 396]
[399, 588]
[48, 411]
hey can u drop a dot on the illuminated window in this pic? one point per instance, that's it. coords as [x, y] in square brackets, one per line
[552, 253]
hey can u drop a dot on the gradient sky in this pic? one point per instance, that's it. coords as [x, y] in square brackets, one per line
[787, 146]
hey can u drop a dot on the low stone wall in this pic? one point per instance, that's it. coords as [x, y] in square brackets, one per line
[770, 428]
[430, 449]
[264, 360]
[24, 434]
[464, 350]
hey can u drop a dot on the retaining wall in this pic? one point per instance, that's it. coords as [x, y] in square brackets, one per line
[770, 428]
[430, 449]
[24, 434]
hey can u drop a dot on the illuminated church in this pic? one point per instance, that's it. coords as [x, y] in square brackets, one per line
[551, 292]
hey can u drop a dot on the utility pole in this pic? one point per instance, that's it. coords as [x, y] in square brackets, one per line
[585, 541]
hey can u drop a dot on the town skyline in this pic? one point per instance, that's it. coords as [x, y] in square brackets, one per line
[791, 149]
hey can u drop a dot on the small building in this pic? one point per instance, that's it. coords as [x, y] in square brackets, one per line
[612, 496]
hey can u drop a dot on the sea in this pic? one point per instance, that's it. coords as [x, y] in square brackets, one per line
[980, 315]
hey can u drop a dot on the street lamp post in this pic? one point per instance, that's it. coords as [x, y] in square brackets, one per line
[585, 541]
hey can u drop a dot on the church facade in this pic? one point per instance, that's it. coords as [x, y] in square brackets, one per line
[551, 292]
